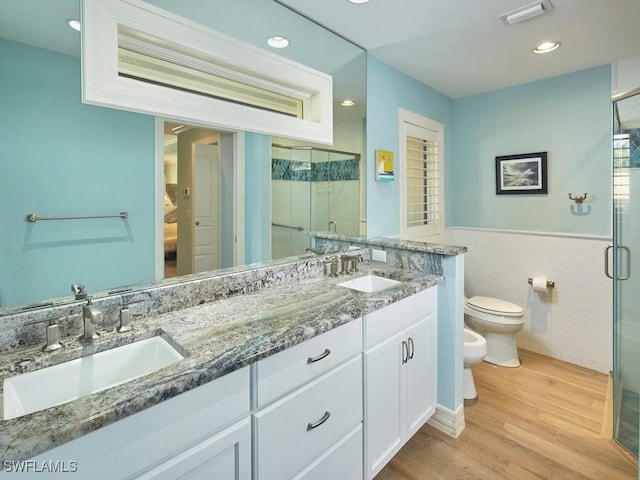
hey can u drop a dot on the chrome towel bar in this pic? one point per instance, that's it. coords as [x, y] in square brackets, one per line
[32, 217]
[287, 226]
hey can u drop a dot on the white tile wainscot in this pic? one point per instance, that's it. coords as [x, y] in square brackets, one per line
[573, 321]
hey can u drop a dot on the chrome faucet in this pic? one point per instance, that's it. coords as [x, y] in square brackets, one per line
[349, 263]
[317, 251]
[90, 317]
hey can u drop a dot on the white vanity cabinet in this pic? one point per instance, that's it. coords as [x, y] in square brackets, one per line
[201, 434]
[400, 363]
[338, 405]
[309, 421]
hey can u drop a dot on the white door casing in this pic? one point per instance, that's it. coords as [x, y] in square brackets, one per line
[421, 181]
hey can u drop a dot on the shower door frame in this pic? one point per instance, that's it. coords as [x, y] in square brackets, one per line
[621, 272]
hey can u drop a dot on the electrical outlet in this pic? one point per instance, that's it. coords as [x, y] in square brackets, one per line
[378, 255]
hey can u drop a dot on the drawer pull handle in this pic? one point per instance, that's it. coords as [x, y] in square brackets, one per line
[319, 357]
[324, 418]
[411, 348]
[405, 352]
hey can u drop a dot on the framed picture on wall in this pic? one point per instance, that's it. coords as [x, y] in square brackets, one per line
[525, 173]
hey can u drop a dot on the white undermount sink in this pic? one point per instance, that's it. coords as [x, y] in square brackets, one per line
[369, 283]
[62, 383]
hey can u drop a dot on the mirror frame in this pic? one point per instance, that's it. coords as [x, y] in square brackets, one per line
[102, 86]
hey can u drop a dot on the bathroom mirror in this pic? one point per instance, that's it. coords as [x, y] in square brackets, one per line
[63, 158]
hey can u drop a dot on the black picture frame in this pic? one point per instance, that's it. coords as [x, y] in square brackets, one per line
[525, 173]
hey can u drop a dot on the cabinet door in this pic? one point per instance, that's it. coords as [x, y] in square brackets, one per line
[421, 373]
[225, 456]
[384, 403]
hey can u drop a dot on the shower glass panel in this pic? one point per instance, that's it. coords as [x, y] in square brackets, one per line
[290, 201]
[626, 270]
[312, 189]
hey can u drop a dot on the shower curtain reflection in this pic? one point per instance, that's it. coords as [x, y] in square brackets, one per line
[312, 189]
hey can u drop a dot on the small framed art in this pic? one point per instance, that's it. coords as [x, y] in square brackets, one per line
[525, 173]
[384, 166]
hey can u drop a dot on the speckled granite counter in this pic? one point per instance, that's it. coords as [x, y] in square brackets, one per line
[218, 337]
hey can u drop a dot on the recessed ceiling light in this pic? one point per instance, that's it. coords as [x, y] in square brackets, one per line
[546, 47]
[73, 23]
[278, 42]
[357, 2]
[347, 102]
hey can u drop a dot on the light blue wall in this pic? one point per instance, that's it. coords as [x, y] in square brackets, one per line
[258, 198]
[60, 157]
[566, 116]
[387, 91]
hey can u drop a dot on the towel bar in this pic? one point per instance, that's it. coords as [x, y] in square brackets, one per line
[32, 217]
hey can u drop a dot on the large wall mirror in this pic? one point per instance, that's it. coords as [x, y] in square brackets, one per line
[64, 158]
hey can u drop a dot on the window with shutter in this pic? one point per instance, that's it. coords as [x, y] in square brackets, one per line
[421, 178]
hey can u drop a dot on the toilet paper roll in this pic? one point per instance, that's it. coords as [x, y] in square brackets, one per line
[539, 284]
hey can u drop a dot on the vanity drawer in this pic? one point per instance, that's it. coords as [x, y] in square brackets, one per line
[386, 322]
[343, 460]
[285, 371]
[291, 433]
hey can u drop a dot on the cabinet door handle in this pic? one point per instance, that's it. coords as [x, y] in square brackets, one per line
[319, 357]
[411, 348]
[405, 352]
[325, 417]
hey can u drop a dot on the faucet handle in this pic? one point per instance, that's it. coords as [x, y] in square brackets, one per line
[333, 268]
[52, 333]
[79, 291]
[125, 316]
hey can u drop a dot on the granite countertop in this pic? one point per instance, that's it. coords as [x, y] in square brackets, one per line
[410, 245]
[217, 337]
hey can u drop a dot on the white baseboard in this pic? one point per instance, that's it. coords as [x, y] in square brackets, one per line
[448, 421]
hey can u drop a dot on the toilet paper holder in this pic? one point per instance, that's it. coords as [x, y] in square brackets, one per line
[550, 283]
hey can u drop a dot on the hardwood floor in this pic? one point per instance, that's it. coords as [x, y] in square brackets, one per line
[546, 419]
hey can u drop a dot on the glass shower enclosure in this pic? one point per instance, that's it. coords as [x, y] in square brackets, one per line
[625, 268]
[313, 189]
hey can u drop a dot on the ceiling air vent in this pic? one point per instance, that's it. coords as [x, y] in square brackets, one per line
[526, 12]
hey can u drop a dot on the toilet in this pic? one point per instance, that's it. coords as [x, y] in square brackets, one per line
[475, 349]
[497, 321]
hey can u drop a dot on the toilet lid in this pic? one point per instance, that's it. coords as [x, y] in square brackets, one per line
[494, 306]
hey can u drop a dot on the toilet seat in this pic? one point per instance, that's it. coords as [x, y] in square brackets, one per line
[494, 306]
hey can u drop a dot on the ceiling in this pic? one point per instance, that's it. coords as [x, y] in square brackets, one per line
[462, 48]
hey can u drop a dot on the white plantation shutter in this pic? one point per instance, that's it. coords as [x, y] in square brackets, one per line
[423, 204]
[421, 182]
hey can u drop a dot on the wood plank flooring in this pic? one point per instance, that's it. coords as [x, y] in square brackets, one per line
[547, 419]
